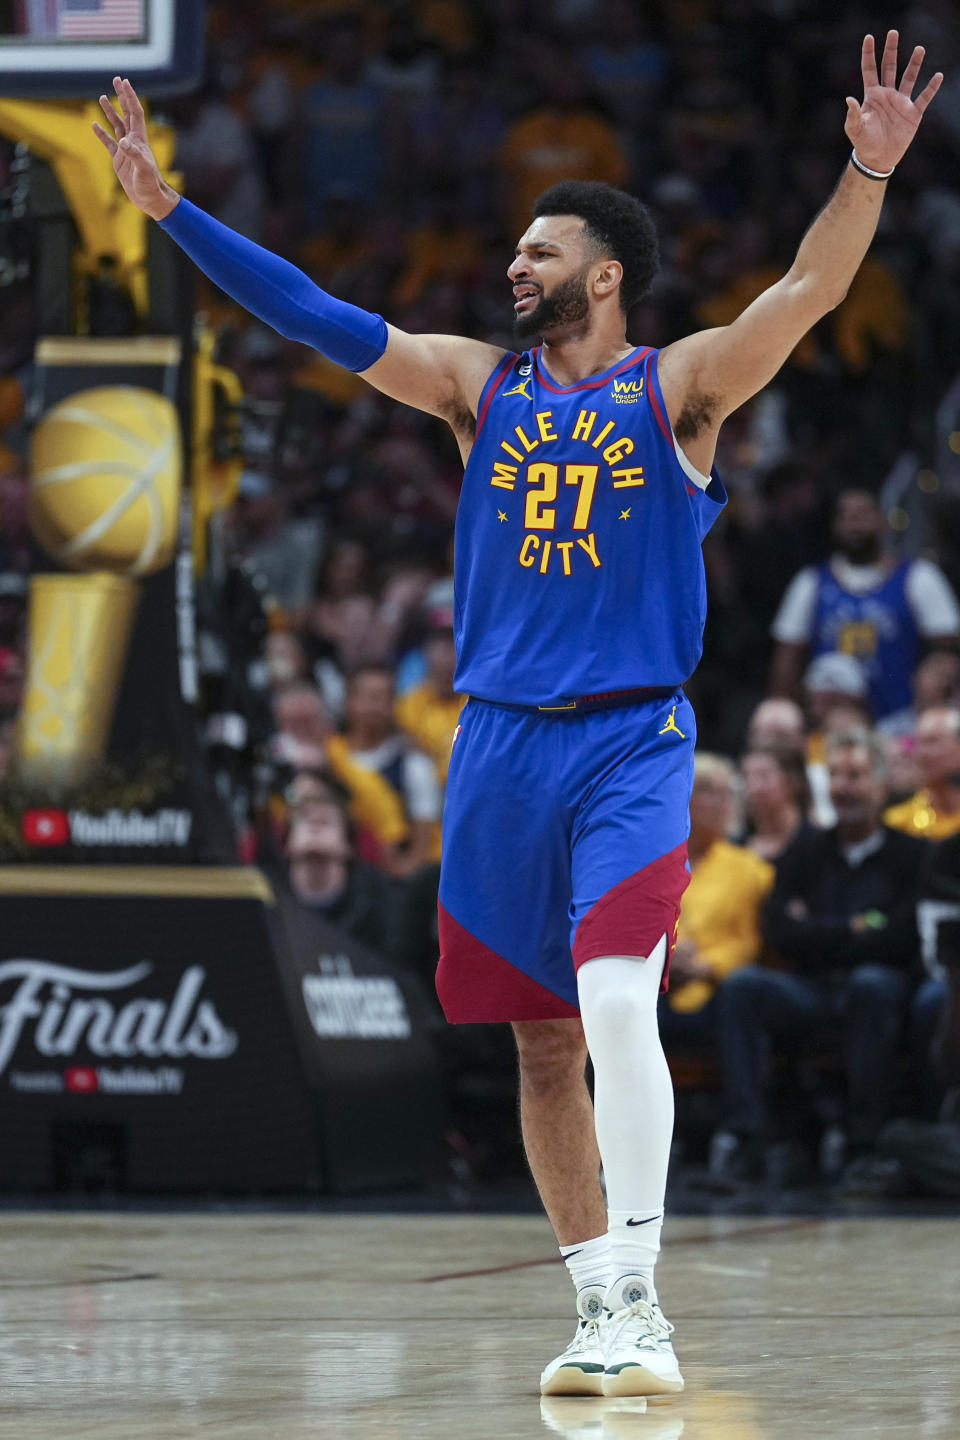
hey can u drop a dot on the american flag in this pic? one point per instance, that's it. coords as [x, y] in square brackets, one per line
[101, 19]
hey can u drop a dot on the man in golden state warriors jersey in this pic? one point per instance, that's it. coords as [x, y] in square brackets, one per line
[579, 613]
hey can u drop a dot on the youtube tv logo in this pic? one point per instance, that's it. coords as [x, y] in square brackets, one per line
[46, 827]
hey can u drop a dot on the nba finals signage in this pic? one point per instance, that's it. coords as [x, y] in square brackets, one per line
[56, 1011]
[183, 1029]
[106, 764]
[145, 1037]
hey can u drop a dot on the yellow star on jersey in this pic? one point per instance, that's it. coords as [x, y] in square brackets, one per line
[500, 516]
[625, 514]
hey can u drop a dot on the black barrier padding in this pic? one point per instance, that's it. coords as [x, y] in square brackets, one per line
[373, 1066]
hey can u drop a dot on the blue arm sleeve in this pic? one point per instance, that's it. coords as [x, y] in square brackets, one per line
[277, 292]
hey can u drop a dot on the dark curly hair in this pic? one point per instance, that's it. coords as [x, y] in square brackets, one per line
[619, 225]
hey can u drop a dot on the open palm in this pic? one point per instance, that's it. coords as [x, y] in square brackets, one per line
[883, 125]
[133, 160]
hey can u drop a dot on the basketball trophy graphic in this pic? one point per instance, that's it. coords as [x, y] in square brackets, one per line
[105, 492]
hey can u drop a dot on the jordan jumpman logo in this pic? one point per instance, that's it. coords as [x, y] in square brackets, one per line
[672, 725]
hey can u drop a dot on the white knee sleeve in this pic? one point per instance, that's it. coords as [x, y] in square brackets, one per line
[633, 1093]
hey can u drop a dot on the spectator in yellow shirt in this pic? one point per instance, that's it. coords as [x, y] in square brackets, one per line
[934, 811]
[719, 926]
[371, 740]
[564, 138]
[430, 712]
[305, 740]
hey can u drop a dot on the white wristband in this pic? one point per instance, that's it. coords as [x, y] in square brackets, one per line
[858, 164]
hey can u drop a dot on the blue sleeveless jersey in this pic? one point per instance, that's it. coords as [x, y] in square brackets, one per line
[878, 629]
[578, 566]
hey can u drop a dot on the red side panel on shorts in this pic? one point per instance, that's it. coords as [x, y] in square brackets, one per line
[475, 984]
[630, 918]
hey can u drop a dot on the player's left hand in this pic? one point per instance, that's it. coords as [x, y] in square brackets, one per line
[881, 127]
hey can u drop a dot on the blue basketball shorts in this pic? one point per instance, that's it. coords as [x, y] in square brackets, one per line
[564, 838]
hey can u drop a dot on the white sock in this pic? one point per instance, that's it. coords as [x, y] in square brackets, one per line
[589, 1264]
[635, 1244]
[633, 1101]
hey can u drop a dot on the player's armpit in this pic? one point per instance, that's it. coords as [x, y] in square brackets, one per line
[442, 374]
[706, 376]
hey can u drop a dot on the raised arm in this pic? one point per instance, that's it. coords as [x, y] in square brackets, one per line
[442, 374]
[708, 375]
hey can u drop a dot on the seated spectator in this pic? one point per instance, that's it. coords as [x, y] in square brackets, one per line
[777, 796]
[347, 625]
[281, 547]
[934, 811]
[15, 542]
[215, 151]
[627, 62]
[430, 712]
[346, 136]
[777, 721]
[781, 722]
[347, 570]
[834, 680]
[442, 247]
[936, 681]
[7, 726]
[325, 875]
[835, 698]
[871, 606]
[12, 679]
[903, 775]
[719, 926]
[563, 136]
[286, 658]
[842, 917]
[371, 740]
[939, 919]
[304, 730]
[13, 603]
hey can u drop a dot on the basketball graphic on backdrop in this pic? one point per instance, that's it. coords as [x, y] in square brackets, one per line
[105, 480]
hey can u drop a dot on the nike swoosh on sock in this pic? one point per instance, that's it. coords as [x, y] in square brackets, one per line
[649, 1220]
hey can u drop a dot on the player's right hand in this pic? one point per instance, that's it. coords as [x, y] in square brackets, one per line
[133, 160]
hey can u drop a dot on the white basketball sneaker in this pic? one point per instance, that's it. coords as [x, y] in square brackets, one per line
[640, 1358]
[579, 1370]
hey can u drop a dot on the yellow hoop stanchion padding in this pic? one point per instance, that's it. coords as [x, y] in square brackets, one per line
[59, 131]
[214, 482]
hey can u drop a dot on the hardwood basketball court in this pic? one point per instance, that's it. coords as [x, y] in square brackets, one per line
[230, 1327]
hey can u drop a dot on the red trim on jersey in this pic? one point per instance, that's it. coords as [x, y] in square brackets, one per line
[475, 984]
[495, 381]
[630, 918]
[586, 384]
[658, 414]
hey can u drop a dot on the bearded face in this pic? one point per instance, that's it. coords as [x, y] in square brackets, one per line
[567, 305]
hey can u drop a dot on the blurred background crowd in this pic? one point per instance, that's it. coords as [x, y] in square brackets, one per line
[393, 151]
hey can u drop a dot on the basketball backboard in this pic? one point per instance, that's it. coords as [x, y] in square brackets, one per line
[63, 48]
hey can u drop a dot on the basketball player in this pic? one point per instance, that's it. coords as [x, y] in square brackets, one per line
[580, 601]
